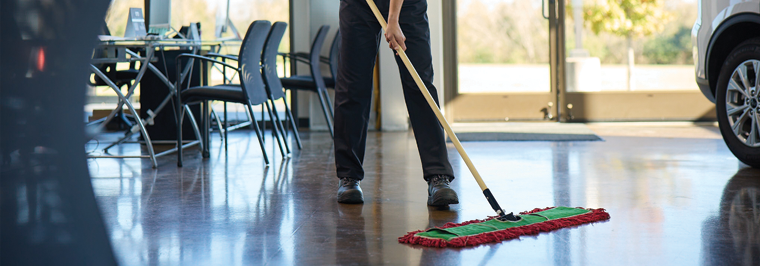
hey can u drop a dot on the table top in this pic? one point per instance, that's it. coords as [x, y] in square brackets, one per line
[107, 40]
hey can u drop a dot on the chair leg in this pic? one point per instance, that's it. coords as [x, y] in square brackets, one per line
[226, 126]
[327, 115]
[277, 130]
[206, 122]
[259, 134]
[250, 118]
[218, 122]
[289, 116]
[264, 122]
[181, 112]
[330, 106]
[277, 123]
[197, 132]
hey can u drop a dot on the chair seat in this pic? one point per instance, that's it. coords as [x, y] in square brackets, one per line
[227, 93]
[121, 76]
[303, 82]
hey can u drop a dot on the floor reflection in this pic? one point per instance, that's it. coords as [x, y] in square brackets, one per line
[733, 237]
[350, 232]
[665, 196]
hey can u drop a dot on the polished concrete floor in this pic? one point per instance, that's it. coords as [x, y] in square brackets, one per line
[676, 198]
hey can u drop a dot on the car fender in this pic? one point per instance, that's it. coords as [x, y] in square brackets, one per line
[727, 18]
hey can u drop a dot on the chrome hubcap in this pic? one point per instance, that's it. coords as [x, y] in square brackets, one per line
[742, 103]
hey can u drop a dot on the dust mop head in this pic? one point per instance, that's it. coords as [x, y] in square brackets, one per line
[490, 230]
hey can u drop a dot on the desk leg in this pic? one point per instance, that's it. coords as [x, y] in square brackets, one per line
[144, 132]
[123, 100]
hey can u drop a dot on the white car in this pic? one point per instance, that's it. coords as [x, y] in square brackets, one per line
[726, 47]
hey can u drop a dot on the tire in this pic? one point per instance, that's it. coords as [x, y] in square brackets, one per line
[740, 122]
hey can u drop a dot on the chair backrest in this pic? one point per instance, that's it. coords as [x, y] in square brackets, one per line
[269, 60]
[316, 48]
[335, 54]
[249, 62]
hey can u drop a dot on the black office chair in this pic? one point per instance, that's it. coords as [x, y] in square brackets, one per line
[331, 61]
[278, 129]
[272, 80]
[308, 82]
[251, 90]
[119, 77]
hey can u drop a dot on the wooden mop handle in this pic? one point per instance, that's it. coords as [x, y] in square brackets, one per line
[430, 100]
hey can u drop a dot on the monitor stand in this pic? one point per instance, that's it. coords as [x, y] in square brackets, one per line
[228, 26]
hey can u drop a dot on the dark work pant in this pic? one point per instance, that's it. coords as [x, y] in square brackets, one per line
[361, 36]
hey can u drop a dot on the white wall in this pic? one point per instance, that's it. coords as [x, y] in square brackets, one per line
[323, 12]
[308, 16]
[394, 114]
[435, 16]
[301, 40]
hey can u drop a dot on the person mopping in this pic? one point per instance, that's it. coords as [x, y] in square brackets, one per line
[407, 28]
[361, 37]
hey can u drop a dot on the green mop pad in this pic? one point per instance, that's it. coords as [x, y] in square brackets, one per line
[493, 230]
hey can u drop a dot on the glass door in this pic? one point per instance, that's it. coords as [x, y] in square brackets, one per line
[541, 60]
[503, 71]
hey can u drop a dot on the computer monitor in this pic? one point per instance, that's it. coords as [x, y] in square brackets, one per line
[159, 16]
[135, 23]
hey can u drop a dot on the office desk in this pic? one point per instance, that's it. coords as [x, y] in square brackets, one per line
[118, 50]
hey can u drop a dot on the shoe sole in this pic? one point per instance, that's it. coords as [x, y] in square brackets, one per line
[443, 197]
[351, 197]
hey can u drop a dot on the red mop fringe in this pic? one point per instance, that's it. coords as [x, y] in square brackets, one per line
[510, 233]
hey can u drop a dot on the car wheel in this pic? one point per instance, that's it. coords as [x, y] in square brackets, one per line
[738, 102]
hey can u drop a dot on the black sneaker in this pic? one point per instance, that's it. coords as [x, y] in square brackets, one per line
[349, 191]
[439, 192]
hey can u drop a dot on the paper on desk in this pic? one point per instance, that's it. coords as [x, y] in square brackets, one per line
[110, 38]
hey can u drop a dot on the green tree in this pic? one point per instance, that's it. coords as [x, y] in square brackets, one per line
[670, 49]
[627, 18]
